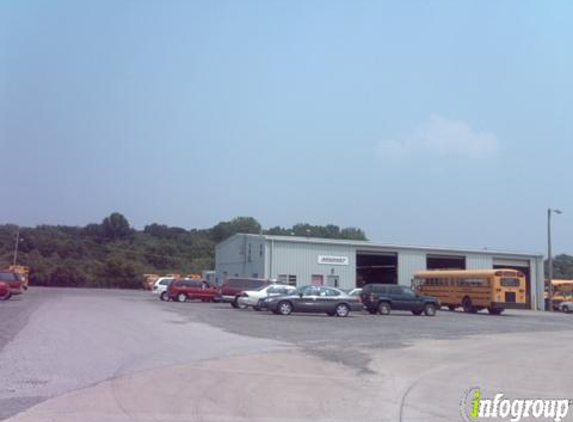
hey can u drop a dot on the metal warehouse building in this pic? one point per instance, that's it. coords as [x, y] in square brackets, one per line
[349, 263]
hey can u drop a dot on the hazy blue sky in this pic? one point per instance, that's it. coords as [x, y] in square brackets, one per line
[430, 122]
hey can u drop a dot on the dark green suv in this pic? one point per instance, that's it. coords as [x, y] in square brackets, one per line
[383, 298]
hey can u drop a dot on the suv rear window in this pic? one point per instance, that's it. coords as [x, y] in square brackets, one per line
[376, 288]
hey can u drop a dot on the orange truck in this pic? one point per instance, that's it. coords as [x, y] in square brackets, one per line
[148, 280]
[24, 273]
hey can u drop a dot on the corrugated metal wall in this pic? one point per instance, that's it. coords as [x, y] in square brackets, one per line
[240, 256]
[538, 283]
[408, 263]
[478, 261]
[301, 259]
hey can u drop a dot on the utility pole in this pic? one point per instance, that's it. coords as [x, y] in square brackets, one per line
[16, 246]
[550, 258]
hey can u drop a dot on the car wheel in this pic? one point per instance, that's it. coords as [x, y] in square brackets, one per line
[452, 307]
[8, 296]
[468, 306]
[181, 297]
[234, 304]
[342, 310]
[384, 308]
[239, 304]
[417, 313]
[494, 311]
[163, 296]
[284, 308]
[567, 309]
[430, 309]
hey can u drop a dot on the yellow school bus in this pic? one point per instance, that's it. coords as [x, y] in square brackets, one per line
[562, 292]
[474, 290]
[147, 281]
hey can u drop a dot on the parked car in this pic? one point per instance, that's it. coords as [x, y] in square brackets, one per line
[160, 287]
[183, 289]
[315, 299]
[14, 282]
[253, 297]
[566, 307]
[383, 298]
[5, 293]
[232, 288]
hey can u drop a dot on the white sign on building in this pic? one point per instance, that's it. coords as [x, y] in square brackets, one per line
[333, 260]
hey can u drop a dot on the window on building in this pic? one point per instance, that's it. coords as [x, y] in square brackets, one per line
[289, 279]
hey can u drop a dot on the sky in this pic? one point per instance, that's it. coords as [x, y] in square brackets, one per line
[437, 123]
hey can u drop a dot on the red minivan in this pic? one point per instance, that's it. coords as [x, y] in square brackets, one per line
[4, 291]
[232, 288]
[182, 289]
[14, 283]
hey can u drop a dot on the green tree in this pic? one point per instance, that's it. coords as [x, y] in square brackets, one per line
[352, 233]
[226, 229]
[562, 266]
[116, 227]
[112, 254]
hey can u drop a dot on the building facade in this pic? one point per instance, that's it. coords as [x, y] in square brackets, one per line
[348, 264]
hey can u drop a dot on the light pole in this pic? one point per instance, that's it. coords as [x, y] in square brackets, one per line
[550, 257]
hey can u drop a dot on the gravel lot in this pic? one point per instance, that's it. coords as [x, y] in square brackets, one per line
[58, 341]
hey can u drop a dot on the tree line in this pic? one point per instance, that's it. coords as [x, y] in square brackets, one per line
[112, 254]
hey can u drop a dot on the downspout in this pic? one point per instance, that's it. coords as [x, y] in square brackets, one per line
[271, 259]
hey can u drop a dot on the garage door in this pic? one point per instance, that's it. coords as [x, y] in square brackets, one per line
[520, 265]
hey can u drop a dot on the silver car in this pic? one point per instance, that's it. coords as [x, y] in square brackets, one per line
[566, 307]
[314, 299]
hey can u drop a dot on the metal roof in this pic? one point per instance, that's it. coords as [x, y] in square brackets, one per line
[367, 244]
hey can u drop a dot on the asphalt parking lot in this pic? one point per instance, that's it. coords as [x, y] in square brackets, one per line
[342, 339]
[120, 355]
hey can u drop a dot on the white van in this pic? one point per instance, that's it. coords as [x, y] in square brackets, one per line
[160, 287]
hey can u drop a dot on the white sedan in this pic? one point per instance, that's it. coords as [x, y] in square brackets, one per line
[252, 297]
[566, 307]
